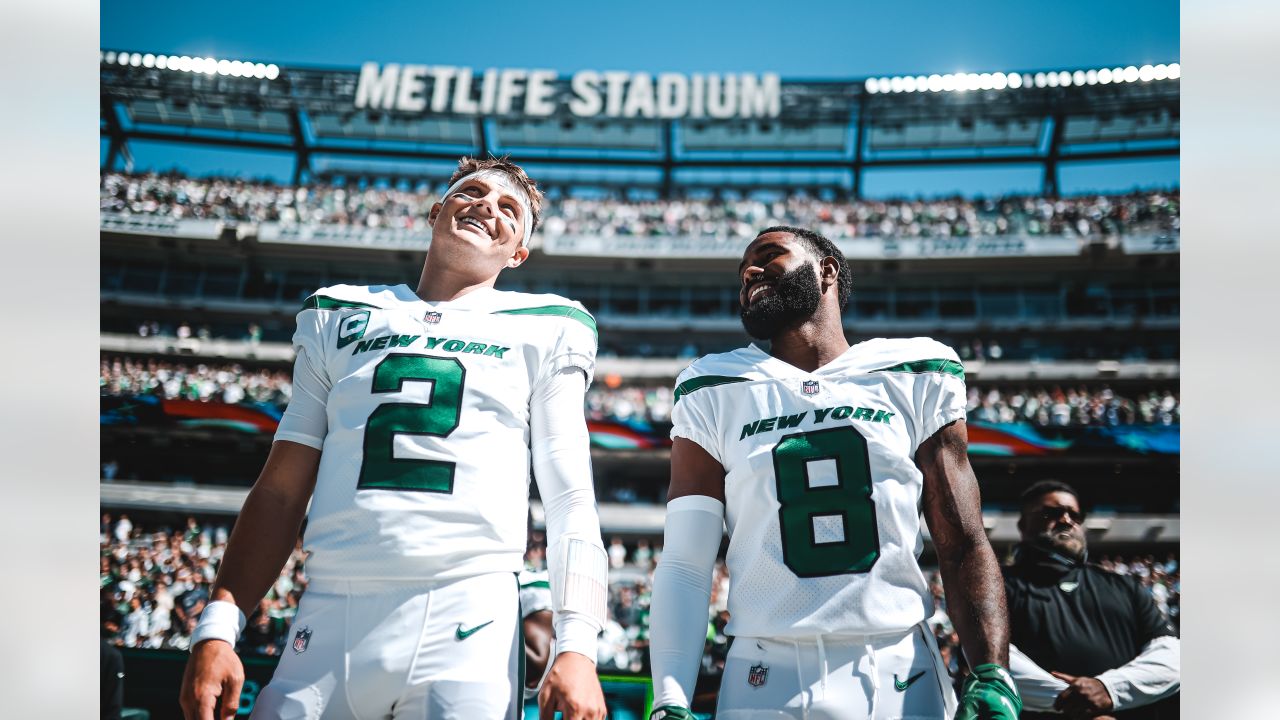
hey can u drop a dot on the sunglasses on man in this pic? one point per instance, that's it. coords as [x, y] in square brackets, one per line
[1051, 514]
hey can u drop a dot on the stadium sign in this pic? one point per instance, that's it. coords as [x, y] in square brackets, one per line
[445, 89]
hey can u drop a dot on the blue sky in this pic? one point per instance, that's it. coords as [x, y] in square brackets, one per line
[816, 39]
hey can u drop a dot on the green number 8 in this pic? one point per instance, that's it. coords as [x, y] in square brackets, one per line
[848, 500]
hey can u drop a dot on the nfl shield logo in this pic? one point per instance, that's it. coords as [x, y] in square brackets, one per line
[432, 317]
[757, 675]
[301, 640]
[809, 387]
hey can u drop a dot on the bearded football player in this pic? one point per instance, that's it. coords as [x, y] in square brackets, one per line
[819, 456]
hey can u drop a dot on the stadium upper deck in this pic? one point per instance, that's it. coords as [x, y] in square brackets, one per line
[664, 132]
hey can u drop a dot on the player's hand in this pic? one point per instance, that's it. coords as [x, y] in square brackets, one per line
[1085, 696]
[213, 671]
[573, 688]
[989, 694]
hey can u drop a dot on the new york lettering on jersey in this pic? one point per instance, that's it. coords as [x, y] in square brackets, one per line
[821, 486]
[427, 426]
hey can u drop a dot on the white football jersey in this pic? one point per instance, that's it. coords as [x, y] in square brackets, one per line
[535, 591]
[421, 412]
[822, 495]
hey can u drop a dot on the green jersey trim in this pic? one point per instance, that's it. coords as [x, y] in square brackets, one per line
[537, 584]
[324, 302]
[566, 311]
[938, 365]
[704, 381]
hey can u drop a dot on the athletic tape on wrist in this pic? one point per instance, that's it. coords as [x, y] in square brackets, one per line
[221, 620]
[500, 178]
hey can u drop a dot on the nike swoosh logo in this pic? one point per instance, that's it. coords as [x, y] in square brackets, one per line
[902, 686]
[464, 634]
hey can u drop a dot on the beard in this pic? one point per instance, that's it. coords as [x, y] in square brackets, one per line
[795, 298]
[1070, 544]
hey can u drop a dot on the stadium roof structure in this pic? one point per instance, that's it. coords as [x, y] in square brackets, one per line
[665, 131]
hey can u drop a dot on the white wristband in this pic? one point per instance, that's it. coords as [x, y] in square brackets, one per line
[220, 620]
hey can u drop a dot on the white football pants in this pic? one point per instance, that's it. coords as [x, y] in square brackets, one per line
[836, 677]
[395, 651]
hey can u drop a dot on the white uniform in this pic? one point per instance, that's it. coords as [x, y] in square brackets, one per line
[418, 522]
[822, 500]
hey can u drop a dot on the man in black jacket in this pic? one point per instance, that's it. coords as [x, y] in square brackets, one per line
[1089, 643]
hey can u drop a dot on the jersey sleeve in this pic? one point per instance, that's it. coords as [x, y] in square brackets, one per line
[691, 417]
[940, 390]
[305, 421]
[575, 345]
[535, 594]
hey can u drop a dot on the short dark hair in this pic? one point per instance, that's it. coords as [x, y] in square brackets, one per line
[823, 248]
[1042, 488]
[468, 165]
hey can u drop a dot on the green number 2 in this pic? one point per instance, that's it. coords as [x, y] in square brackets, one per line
[381, 469]
[845, 511]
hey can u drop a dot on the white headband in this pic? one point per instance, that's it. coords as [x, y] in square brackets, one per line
[502, 180]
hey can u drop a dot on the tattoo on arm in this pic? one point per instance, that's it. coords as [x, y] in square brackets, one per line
[970, 573]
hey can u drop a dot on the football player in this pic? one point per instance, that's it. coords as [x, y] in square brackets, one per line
[416, 415]
[818, 456]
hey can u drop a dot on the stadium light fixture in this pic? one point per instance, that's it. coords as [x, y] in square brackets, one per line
[109, 58]
[148, 60]
[1131, 74]
[1104, 76]
[1175, 71]
[135, 60]
[1146, 73]
[1160, 72]
[1091, 77]
[162, 61]
[872, 86]
[1078, 77]
[1041, 80]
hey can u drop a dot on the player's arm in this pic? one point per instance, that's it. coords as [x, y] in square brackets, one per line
[682, 580]
[265, 532]
[970, 573]
[576, 559]
[538, 637]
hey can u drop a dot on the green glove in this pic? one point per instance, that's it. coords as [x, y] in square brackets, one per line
[671, 712]
[989, 694]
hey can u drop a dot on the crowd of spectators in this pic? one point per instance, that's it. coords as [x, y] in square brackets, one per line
[406, 207]
[1042, 406]
[1072, 406]
[218, 382]
[156, 582]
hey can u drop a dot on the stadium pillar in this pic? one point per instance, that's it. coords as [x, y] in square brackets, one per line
[302, 153]
[668, 157]
[1050, 184]
[857, 146]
